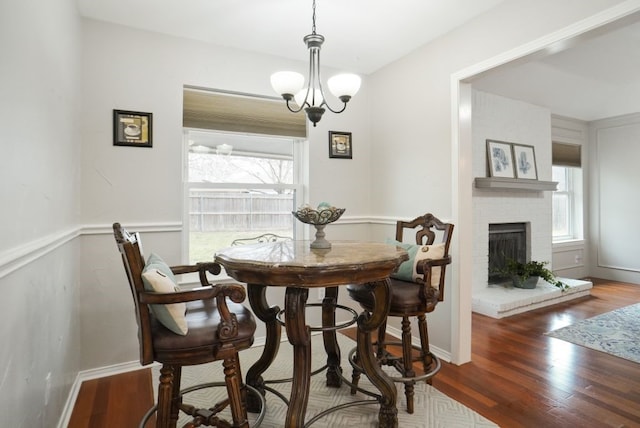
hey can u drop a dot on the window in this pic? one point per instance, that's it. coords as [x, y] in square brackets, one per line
[243, 169]
[567, 199]
[238, 186]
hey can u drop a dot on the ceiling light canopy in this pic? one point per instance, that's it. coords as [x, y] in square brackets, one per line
[290, 85]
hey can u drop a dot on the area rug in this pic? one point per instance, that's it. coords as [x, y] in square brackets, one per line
[616, 333]
[432, 408]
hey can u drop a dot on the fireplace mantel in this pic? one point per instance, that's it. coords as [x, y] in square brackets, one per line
[501, 183]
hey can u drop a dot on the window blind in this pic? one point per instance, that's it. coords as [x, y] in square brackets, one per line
[240, 113]
[566, 154]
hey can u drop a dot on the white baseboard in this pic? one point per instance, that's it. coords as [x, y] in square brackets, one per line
[115, 369]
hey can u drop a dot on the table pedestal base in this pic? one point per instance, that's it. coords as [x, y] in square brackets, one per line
[299, 335]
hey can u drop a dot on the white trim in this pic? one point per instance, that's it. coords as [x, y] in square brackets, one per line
[15, 258]
[461, 153]
[107, 229]
[115, 369]
[18, 257]
[553, 42]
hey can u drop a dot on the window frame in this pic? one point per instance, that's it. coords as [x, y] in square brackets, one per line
[300, 155]
[575, 205]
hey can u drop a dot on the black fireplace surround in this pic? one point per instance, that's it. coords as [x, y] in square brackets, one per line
[506, 241]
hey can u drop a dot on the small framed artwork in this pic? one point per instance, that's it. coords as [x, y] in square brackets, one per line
[132, 128]
[340, 145]
[524, 158]
[500, 159]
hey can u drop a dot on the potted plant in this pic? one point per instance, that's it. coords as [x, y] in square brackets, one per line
[525, 275]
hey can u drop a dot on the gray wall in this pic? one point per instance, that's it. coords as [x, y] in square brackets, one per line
[62, 177]
[40, 149]
[142, 188]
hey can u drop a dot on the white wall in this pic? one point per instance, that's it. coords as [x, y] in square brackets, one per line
[504, 119]
[403, 111]
[142, 188]
[615, 175]
[412, 135]
[40, 152]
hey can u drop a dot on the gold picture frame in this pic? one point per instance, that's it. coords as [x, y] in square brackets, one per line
[132, 128]
[340, 145]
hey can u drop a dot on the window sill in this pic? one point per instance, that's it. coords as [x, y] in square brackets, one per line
[568, 243]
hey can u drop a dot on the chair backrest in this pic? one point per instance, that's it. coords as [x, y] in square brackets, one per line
[265, 237]
[133, 259]
[425, 228]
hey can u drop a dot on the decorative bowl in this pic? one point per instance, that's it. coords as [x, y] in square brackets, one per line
[319, 218]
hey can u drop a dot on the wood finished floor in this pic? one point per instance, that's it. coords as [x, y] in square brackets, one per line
[518, 377]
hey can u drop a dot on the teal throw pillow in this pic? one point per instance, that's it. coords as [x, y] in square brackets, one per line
[157, 277]
[407, 270]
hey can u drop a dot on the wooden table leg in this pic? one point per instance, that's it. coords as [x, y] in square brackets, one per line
[260, 307]
[299, 336]
[329, 337]
[367, 323]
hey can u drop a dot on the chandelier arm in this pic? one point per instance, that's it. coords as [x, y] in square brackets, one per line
[298, 110]
[324, 97]
[344, 106]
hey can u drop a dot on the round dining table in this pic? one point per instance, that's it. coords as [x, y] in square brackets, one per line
[298, 267]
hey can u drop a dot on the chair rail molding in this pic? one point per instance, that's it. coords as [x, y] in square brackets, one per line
[18, 257]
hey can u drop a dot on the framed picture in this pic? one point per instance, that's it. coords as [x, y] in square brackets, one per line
[340, 145]
[524, 158]
[500, 159]
[132, 128]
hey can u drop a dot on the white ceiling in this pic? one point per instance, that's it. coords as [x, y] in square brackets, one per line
[360, 35]
[597, 78]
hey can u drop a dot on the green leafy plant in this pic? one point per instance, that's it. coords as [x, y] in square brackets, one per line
[522, 271]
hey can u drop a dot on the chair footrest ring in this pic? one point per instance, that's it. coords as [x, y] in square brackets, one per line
[354, 317]
[436, 366]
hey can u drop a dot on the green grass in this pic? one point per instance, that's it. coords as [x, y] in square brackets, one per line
[203, 245]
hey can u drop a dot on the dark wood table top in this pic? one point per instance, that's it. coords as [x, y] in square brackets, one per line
[295, 264]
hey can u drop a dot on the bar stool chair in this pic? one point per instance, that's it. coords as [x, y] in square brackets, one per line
[416, 288]
[188, 327]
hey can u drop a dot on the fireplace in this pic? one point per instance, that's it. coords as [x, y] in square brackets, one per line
[506, 241]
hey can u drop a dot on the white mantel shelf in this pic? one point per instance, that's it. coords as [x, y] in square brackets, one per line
[501, 183]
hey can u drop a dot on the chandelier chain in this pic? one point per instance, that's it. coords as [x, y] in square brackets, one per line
[313, 18]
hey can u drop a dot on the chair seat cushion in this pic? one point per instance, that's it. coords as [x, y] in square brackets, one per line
[405, 298]
[201, 341]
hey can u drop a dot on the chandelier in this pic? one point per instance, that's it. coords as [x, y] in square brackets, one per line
[290, 85]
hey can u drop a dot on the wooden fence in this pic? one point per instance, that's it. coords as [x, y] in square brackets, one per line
[232, 211]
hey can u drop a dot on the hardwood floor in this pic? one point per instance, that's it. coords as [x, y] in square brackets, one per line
[118, 401]
[518, 377]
